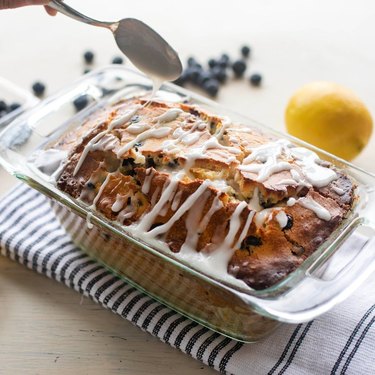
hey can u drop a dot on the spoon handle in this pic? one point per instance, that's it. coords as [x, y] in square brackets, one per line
[72, 13]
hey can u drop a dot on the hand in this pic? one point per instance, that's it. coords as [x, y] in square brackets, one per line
[10, 4]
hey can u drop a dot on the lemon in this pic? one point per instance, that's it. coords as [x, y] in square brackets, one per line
[330, 117]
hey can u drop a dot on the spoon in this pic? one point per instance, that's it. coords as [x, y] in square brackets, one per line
[144, 47]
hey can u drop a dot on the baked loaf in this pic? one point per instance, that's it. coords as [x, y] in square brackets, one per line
[255, 206]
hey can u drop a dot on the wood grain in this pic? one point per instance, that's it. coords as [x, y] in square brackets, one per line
[46, 328]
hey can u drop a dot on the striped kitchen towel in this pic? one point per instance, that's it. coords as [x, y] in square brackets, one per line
[340, 342]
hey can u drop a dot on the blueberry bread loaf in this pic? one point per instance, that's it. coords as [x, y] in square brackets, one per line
[251, 206]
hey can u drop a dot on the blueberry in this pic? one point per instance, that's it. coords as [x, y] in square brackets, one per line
[90, 185]
[225, 57]
[239, 68]
[89, 57]
[182, 79]
[150, 162]
[81, 102]
[117, 60]
[3, 106]
[39, 88]
[13, 107]
[211, 87]
[255, 79]
[193, 73]
[289, 223]
[219, 73]
[245, 51]
[191, 62]
[86, 71]
[212, 63]
[251, 241]
[204, 77]
[223, 64]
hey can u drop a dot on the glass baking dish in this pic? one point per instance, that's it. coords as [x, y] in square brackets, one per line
[11, 93]
[326, 278]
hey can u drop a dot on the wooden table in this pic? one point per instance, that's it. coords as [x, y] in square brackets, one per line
[46, 328]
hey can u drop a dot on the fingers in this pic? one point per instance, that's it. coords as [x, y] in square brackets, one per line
[51, 11]
[11, 4]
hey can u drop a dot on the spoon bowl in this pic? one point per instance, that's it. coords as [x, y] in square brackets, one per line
[144, 47]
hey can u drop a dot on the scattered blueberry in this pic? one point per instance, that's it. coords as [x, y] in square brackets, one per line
[191, 61]
[86, 71]
[13, 107]
[39, 88]
[219, 73]
[89, 57]
[3, 106]
[193, 73]
[212, 63]
[225, 57]
[255, 79]
[211, 87]
[239, 68]
[203, 77]
[117, 60]
[182, 79]
[81, 102]
[245, 51]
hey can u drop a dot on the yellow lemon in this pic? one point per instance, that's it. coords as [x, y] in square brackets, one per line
[331, 117]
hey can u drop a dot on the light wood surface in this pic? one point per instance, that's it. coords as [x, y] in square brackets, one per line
[46, 328]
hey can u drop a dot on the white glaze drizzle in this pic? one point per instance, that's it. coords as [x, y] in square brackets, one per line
[88, 220]
[126, 213]
[225, 122]
[282, 219]
[265, 161]
[338, 190]
[100, 192]
[114, 123]
[168, 116]
[151, 133]
[124, 118]
[155, 196]
[182, 209]
[147, 181]
[168, 191]
[291, 202]
[234, 226]
[245, 229]
[193, 223]
[262, 216]
[200, 152]
[137, 128]
[317, 175]
[254, 203]
[185, 136]
[86, 150]
[314, 206]
[106, 143]
[176, 200]
[119, 203]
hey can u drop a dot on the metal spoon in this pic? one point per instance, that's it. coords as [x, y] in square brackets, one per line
[145, 48]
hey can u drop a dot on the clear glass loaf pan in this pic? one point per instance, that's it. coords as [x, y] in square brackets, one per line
[326, 278]
[11, 93]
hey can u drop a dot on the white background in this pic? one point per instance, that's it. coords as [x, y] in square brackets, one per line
[293, 42]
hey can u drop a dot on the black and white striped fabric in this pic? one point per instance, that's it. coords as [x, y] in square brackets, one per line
[340, 342]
